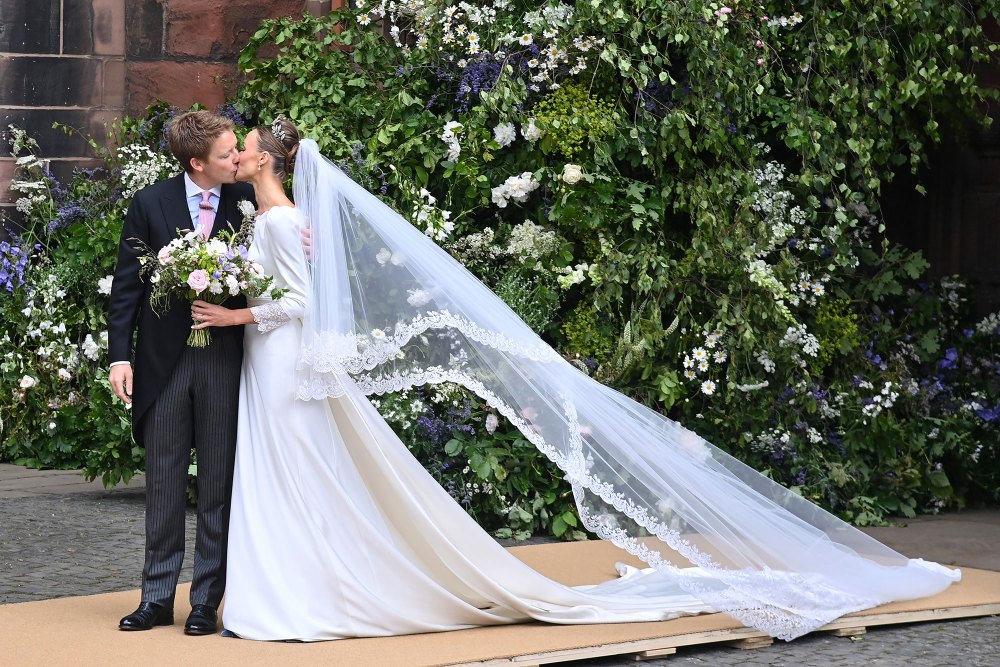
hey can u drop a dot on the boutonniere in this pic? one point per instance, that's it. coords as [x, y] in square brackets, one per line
[244, 236]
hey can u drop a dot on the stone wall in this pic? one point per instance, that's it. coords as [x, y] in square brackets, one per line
[85, 62]
[60, 60]
[185, 51]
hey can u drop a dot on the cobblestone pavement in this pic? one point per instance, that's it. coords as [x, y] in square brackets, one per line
[86, 543]
[75, 544]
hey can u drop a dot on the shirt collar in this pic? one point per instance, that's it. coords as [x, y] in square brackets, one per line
[192, 189]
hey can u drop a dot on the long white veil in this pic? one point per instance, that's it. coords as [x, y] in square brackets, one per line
[389, 310]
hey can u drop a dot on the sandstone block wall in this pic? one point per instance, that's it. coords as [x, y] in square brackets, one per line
[60, 60]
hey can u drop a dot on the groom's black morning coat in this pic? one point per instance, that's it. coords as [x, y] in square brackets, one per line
[155, 215]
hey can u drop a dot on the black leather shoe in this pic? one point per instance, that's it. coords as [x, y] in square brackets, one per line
[148, 614]
[203, 620]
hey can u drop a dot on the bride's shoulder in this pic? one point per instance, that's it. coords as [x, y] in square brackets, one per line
[283, 214]
[282, 224]
[281, 217]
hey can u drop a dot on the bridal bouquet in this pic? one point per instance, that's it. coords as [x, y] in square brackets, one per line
[212, 270]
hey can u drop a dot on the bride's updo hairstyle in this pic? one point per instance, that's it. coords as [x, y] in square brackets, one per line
[281, 140]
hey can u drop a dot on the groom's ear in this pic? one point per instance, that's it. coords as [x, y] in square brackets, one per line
[197, 165]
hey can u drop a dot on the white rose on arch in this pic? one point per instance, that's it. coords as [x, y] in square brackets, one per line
[572, 173]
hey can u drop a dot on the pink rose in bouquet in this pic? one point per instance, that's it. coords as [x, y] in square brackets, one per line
[198, 281]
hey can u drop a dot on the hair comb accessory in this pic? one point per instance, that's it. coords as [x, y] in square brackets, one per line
[277, 130]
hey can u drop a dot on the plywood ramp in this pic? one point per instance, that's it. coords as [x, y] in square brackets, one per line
[83, 630]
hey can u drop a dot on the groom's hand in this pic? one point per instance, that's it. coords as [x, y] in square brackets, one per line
[121, 382]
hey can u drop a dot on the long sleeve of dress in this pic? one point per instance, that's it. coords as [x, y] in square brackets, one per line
[282, 243]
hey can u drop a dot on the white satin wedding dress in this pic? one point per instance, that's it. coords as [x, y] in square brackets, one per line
[337, 530]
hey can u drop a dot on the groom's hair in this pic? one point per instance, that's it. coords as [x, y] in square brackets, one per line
[192, 134]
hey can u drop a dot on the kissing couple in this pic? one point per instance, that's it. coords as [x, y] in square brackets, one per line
[316, 522]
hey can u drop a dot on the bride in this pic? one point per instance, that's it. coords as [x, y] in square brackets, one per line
[337, 531]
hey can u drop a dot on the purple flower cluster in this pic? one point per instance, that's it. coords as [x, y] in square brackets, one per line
[989, 415]
[230, 112]
[68, 214]
[476, 78]
[14, 259]
[155, 125]
[433, 428]
[439, 428]
[874, 358]
[933, 386]
[950, 360]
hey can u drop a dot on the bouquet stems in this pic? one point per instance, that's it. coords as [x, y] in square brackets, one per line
[199, 338]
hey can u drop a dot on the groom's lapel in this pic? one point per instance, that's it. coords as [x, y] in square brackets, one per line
[173, 204]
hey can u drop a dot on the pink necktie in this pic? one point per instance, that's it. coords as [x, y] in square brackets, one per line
[206, 215]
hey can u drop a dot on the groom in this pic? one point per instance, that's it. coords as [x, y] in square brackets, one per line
[181, 397]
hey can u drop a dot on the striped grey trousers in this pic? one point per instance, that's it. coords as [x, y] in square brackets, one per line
[198, 408]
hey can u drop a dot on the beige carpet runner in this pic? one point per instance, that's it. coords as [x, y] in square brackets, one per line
[83, 630]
